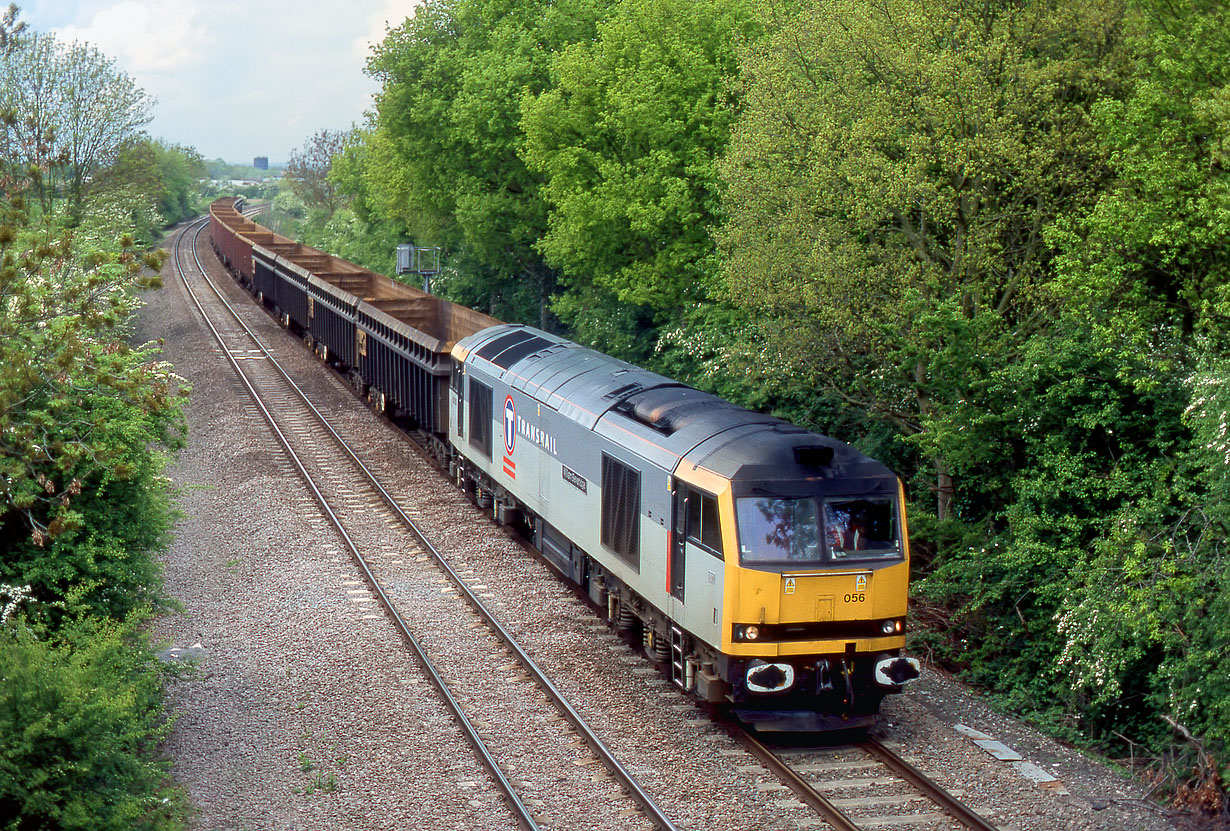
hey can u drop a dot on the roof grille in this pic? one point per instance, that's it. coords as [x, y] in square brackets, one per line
[624, 391]
[506, 350]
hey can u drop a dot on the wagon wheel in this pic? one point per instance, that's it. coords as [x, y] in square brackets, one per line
[376, 399]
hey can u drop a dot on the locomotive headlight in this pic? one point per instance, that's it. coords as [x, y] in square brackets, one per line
[751, 633]
[890, 626]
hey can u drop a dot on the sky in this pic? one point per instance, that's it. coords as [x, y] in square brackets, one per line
[236, 79]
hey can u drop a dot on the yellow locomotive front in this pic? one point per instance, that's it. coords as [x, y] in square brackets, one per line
[815, 599]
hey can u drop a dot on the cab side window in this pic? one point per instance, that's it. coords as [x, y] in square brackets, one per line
[704, 529]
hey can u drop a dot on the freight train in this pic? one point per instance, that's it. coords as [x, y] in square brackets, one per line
[764, 567]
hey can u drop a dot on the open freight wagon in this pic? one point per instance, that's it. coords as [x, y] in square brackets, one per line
[391, 340]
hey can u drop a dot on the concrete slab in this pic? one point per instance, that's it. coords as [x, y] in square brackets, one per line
[999, 750]
[977, 735]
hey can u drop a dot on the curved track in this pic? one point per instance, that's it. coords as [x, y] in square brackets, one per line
[348, 493]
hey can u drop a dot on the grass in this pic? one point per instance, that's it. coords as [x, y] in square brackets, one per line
[321, 780]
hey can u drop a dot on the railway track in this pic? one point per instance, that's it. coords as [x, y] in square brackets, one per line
[494, 681]
[864, 785]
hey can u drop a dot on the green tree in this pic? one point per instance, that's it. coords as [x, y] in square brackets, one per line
[135, 165]
[83, 510]
[10, 29]
[328, 202]
[84, 420]
[357, 232]
[100, 109]
[82, 412]
[30, 87]
[307, 171]
[180, 171]
[888, 189]
[1004, 230]
[627, 139]
[152, 174]
[1147, 270]
[444, 156]
[70, 111]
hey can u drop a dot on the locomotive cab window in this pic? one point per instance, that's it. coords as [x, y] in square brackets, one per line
[775, 530]
[803, 531]
[703, 528]
[861, 529]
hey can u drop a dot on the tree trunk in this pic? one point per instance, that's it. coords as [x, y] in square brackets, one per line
[943, 476]
[943, 490]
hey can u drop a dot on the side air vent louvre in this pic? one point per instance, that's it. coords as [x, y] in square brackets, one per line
[621, 509]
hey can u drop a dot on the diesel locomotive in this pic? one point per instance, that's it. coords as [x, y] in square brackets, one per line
[764, 567]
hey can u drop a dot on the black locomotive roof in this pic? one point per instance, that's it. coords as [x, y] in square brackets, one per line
[675, 423]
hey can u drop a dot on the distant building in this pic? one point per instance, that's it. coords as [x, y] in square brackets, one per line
[261, 162]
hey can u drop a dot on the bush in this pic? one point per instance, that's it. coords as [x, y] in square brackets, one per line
[81, 717]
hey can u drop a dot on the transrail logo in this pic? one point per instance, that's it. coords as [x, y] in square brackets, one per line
[510, 437]
[515, 426]
[510, 425]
